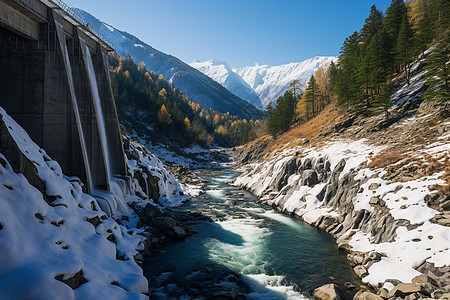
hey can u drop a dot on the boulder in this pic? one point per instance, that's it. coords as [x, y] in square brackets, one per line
[423, 278]
[179, 231]
[374, 201]
[404, 289]
[364, 295]
[360, 271]
[374, 186]
[382, 292]
[327, 292]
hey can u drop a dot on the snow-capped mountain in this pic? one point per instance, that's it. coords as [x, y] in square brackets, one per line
[270, 82]
[197, 86]
[223, 74]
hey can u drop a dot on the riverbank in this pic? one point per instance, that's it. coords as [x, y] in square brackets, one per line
[265, 254]
[379, 192]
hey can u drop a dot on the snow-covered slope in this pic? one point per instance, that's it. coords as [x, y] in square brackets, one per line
[197, 86]
[57, 242]
[270, 82]
[223, 74]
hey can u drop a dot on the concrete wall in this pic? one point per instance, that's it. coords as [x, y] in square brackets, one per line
[51, 97]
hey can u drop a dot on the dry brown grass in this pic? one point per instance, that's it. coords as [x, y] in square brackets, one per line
[388, 157]
[308, 130]
[441, 165]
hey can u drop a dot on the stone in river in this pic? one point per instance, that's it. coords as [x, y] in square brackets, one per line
[326, 292]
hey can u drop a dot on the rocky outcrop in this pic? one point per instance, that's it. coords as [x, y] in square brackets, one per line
[337, 193]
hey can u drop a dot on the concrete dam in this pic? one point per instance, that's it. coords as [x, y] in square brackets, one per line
[54, 81]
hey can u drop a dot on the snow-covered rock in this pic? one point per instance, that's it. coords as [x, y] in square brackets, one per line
[270, 82]
[55, 241]
[58, 242]
[223, 74]
[396, 232]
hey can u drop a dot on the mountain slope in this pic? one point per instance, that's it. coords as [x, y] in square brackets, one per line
[193, 83]
[270, 82]
[223, 74]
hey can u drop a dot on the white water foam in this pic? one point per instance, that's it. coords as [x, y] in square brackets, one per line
[282, 219]
[271, 287]
[246, 256]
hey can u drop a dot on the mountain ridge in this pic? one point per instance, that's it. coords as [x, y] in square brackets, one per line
[197, 86]
[221, 72]
[270, 82]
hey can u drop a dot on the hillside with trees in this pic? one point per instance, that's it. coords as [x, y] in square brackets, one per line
[382, 50]
[149, 106]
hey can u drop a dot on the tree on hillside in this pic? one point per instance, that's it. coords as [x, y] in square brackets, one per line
[438, 74]
[346, 79]
[404, 48]
[383, 99]
[393, 20]
[164, 117]
[283, 114]
[311, 97]
[372, 25]
[294, 86]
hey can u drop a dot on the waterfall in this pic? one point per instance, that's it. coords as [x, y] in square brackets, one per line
[112, 202]
[77, 116]
[98, 111]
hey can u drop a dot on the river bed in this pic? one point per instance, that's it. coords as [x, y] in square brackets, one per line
[277, 256]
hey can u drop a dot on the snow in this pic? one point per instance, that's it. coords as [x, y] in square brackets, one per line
[270, 82]
[405, 201]
[223, 74]
[39, 242]
[109, 27]
[34, 251]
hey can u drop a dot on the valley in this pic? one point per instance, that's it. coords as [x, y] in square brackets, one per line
[128, 173]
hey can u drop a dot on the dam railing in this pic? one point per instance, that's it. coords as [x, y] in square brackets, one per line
[83, 22]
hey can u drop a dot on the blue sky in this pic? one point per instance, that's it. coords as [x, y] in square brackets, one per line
[240, 32]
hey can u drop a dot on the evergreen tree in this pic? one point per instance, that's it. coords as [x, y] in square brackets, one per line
[404, 48]
[438, 71]
[346, 79]
[283, 114]
[381, 60]
[383, 100]
[393, 20]
[424, 34]
[311, 97]
[372, 25]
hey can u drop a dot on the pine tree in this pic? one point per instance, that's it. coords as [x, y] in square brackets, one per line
[381, 60]
[372, 25]
[346, 85]
[438, 71]
[404, 48]
[393, 20]
[383, 100]
[311, 97]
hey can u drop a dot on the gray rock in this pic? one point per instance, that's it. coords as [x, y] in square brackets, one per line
[326, 292]
[382, 292]
[404, 289]
[179, 231]
[374, 186]
[309, 178]
[360, 271]
[364, 295]
[374, 201]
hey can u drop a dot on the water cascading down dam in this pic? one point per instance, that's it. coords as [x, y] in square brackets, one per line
[54, 81]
